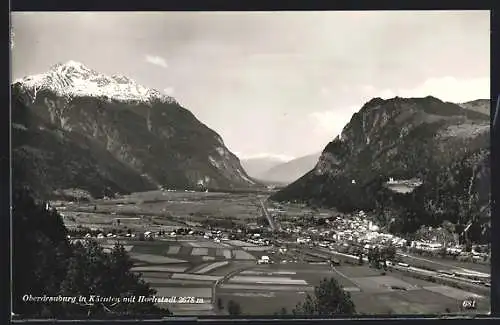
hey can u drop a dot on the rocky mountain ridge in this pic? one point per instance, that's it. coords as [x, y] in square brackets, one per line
[114, 137]
[478, 105]
[74, 79]
[442, 145]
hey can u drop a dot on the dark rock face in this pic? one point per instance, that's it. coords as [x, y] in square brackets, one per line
[442, 146]
[102, 145]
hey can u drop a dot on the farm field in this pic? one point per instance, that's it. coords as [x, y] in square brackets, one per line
[178, 268]
[445, 264]
[160, 210]
[280, 286]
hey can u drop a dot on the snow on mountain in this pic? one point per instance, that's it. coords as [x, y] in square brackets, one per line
[74, 79]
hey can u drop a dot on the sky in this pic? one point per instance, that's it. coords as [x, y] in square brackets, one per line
[277, 84]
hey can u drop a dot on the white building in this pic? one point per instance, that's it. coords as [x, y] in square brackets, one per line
[263, 260]
[372, 226]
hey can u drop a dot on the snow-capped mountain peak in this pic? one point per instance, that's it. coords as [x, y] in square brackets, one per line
[74, 79]
[70, 66]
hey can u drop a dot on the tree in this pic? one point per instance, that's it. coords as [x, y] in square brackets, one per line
[105, 275]
[46, 263]
[233, 308]
[220, 305]
[39, 251]
[374, 257]
[360, 260]
[328, 299]
[390, 252]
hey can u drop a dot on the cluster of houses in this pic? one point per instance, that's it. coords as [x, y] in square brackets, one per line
[357, 229]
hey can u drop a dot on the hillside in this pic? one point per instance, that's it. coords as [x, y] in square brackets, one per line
[440, 148]
[76, 128]
[479, 105]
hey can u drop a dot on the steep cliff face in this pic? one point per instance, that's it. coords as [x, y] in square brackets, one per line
[86, 130]
[441, 148]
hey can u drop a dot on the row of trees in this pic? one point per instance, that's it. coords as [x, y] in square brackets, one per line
[377, 256]
[233, 308]
[46, 263]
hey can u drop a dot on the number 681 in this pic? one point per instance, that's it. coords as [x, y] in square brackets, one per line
[469, 303]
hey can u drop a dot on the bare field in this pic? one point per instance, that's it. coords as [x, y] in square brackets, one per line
[266, 287]
[207, 244]
[263, 302]
[200, 251]
[371, 292]
[162, 248]
[190, 203]
[408, 302]
[211, 267]
[172, 250]
[242, 255]
[379, 284]
[157, 269]
[267, 280]
[157, 210]
[202, 292]
[192, 309]
[240, 243]
[358, 271]
[256, 248]
[187, 276]
[446, 264]
[162, 282]
[231, 267]
[256, 273]
[156, 259]
[453, 293]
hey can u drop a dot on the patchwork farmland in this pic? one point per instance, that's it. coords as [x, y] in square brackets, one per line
[209, 272]
[214, 272]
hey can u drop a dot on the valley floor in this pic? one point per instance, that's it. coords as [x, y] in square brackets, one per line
[205, 275]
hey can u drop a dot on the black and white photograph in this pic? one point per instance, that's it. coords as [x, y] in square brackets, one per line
[250, 163]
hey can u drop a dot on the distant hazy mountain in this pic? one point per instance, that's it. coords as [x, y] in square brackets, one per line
[290, 171]
[478, 105]
[255, 167]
